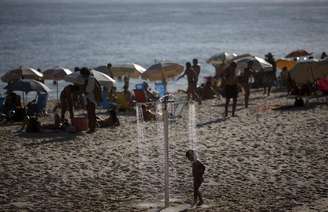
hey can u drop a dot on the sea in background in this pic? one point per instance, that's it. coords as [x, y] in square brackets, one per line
[43, 34]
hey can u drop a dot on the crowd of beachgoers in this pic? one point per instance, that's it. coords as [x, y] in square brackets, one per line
[268, 155]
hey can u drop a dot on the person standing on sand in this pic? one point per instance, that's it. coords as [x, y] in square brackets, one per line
[109, 70]
[67, 97]
[89, 91]
[192, 79]
[244, 81]
[270, 77]
[196, 68]
[230, 85]
[198, 170]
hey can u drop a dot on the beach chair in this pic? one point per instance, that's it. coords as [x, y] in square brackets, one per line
[140, 96]
[41, 103]
[105, 103]
[160, 88]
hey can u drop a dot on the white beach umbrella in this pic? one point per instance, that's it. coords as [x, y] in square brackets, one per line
[162, 71]
[259, 64]
[20, 73]
[221, 58]
[27, 85]
[130, 70]
[56, 73]
[102, 78]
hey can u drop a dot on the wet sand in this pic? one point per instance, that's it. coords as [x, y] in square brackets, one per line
[261, 160]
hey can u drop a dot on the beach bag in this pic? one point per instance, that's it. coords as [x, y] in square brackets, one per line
[97, 91]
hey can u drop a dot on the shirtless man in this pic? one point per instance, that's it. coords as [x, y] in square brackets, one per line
[244, 81]
[192, 79]
[196, 68]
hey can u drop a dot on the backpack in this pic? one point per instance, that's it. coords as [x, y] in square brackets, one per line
[97, 91]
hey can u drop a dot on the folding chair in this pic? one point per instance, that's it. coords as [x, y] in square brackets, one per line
[140, 96]
[160, 88]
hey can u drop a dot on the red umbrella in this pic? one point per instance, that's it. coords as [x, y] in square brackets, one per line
[298, 53]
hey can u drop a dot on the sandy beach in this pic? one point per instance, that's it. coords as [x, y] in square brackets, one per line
[262, 160]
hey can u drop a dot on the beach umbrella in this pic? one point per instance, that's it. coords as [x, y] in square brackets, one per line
[130, 70]
[102, 78]
[56, 74]
[259, 64]
[162, 71]
[27, 85]
[308, 72]
[298, 53]
[20, 73]
[284, 62]
[221, 58]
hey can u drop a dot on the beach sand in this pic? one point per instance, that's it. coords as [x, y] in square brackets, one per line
[261, 160]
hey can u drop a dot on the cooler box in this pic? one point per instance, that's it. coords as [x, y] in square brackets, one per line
[80, 123]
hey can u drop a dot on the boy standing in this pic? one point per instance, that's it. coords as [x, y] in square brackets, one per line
[198, 170]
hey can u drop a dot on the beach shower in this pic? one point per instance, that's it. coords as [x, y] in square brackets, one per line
[162, 142]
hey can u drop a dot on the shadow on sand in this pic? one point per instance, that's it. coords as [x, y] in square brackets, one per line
[219, 120]
[286, 108]
[48, 137]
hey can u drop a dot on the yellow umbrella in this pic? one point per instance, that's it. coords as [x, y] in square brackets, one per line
[289, 64]
[162, 71]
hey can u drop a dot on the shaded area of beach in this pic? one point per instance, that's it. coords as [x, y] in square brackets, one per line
[261, 160]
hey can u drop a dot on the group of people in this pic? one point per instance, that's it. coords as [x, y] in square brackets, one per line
[71, 96]
[192, 72]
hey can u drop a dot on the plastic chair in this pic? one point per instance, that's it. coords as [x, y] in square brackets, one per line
[160, 88]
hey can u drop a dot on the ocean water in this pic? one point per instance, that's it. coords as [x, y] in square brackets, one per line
[42, 34]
